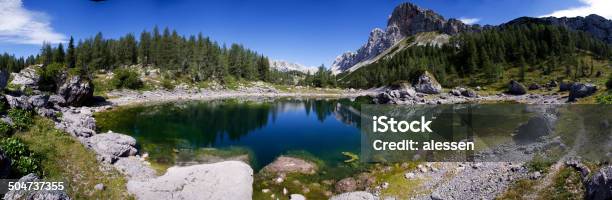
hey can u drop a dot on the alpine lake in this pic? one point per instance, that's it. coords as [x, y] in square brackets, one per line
[324, 131]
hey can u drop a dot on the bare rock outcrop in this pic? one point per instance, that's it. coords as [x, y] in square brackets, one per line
[229, 180]
[516, 88]
[110, 146]
[599, 186]
[428, 84]
[580, 90]
[35, 194]
[76, 91]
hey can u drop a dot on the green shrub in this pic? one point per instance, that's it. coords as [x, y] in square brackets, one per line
[23, 160]
[126, 78]
[167, 84]
[51, 76]
[5, 129]
[604, 99]
[22, 119]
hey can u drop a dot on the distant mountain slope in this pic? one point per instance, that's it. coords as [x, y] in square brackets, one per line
[598, 26]
[285, 66]
[406, 20]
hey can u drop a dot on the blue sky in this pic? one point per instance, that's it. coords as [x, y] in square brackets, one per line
[310, 32]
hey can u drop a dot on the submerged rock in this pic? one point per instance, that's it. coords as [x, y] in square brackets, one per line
[346, 185]
[35, 194]
[428, 84]
[218, 181]
[76, 91]
[360, 195]
[286, 164]
[516, 88]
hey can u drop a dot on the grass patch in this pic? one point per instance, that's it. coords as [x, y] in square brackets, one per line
[64, 158]
[518, 189]
[567, 185]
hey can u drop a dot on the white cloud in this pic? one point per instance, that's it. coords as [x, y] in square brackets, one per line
[599, 7]
[469, 20]
[21, 26]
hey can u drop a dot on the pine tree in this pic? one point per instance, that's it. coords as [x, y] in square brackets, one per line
[71, 54]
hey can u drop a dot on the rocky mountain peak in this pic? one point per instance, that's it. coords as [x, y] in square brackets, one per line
[598, 26]
[406, 20]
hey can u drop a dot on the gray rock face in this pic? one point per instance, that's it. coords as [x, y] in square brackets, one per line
[113, 145]
[599, 187]
[76, 91]
[230, 180]
[20, 102]
[77, 122]
[5, 165]
[360, 195]
[428, 84]
[38, 101]
[37, 194]
[516, 88]
[285, 164]
[580, 90]
[597, 26]
[406, 20]
[27, 78]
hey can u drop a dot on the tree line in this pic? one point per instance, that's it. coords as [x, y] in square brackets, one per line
[196, 56]
[488, 54]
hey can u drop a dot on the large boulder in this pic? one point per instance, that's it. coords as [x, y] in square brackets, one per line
[360, 195]
[27, 78]
[20, 102]
[38, 101]
[286, 164]
[580, 90]
[35, 194]
[111, 146]
[76, 91]
[428, 84]
[564, 86]
[599, 187]
[231, 180]
[516, 88]
[5, 165]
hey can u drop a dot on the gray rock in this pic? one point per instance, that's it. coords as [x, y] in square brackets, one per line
[76, 91]
[113, 145]
[346, 185]
[580, 90]
[428, 84]
[38, 101]
[27, 78]
[57, 100]
[218, 181]
[35, 194]
[297, 197]
[516, 88]
[599, 187]
[360, 195]
[469, 93]
[455, 92]
[20, 102]
[134, 168]
[5, 165]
